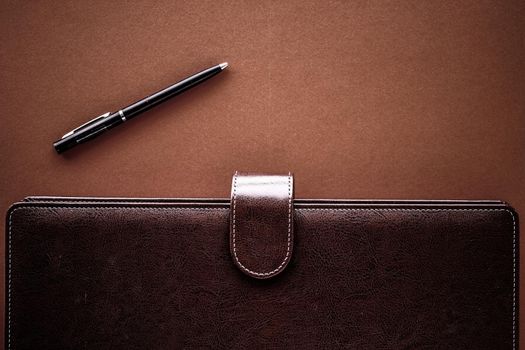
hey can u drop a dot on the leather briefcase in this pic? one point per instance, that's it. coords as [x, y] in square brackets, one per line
[261, 270]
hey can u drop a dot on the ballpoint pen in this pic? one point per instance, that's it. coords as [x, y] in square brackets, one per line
[106, 121]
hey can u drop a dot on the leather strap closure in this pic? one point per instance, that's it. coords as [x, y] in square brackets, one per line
[261, 223]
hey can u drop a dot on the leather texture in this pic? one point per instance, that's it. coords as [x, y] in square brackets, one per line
[261, 223]
[158, 274]
[361, 99]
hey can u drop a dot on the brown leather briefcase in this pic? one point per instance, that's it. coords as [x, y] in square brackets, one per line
[262, 271]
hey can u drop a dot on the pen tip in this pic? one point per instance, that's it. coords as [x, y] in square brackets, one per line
[223, 65]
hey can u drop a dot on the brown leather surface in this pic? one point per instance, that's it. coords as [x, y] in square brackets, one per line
[261, 223]
[359, 99]
[157, 276]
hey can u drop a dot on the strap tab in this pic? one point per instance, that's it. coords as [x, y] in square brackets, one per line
[261, 223]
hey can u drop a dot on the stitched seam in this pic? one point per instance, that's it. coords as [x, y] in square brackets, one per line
[116, 207]
[403, 209]
[9, 249]
[9, 286]
[234, 230]
[455, 209]
[9, 264]
[513, 279]
[115, 201]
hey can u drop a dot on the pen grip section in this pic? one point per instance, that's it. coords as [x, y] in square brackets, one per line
[88, 132]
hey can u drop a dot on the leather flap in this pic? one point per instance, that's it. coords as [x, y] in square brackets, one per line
[261, 223]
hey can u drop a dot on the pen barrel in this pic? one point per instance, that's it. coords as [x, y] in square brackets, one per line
[88, 133]
[169, 92]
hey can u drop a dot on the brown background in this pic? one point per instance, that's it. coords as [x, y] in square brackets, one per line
[359, 99]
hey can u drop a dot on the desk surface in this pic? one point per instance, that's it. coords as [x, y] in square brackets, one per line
[360, 100]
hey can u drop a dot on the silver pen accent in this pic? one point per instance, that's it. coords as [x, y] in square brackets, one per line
[102, 116]
[121, 113]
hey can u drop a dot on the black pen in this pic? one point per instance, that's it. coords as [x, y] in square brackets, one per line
[109, 120]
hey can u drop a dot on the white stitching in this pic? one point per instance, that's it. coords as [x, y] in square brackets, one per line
[9, 281]
[513, 279]
[456, 209]
[234, 230]
[9, 295]
[94, 206]
[402, 209]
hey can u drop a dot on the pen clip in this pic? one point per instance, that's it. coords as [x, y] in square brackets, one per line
[86, 124]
